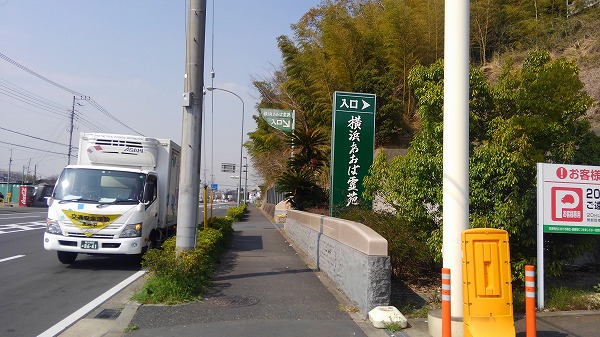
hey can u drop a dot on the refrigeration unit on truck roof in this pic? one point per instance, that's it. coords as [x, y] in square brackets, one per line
[122, 150]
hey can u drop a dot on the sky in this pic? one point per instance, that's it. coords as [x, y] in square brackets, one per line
[129, 58]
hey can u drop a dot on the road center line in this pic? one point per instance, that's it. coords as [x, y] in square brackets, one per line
[72, 318]
[11, 258]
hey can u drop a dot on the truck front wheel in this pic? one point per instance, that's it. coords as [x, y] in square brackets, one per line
[66, 257]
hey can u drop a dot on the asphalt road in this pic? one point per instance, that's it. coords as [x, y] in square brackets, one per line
[37, 291]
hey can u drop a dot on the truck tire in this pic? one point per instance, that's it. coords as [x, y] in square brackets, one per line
[154, 238]
[151, 244]
[66, 257]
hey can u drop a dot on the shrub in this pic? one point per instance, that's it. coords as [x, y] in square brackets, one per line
[237, 212]
[408, 251]
[180, 277]
[224, 225]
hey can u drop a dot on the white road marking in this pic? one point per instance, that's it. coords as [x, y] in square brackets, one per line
[12, 216]
[74, 317]
[22, 226]
[11, 258]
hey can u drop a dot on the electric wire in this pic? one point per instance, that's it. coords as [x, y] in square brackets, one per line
[31, 148]
[35, 104]
[48, 106]
[31, 72]
[22, 92]
[34, 137]
[82, 96]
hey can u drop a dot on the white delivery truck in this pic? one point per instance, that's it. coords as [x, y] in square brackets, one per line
[120, 197]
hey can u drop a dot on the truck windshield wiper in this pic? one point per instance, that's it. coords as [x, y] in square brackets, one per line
[117, 201]
[76, 199]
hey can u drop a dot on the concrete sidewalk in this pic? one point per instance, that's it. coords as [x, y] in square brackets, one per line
[262, 288]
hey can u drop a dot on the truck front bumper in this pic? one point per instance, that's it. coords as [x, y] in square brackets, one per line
[93, 246]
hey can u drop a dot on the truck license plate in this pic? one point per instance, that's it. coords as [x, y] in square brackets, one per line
[89, 245]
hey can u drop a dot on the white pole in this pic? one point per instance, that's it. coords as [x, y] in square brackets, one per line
[456, 143]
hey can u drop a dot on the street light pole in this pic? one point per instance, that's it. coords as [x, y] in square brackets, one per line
[241, 142]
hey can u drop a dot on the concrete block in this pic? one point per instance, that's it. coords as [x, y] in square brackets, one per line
[382, 315]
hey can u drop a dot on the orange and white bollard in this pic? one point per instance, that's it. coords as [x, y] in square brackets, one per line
[446, 316]
[530, 330]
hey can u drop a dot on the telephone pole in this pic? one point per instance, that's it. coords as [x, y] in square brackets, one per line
[189, 182]
[71, 133]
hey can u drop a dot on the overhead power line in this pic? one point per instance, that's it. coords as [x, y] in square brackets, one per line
[22, 67]
[30, 96]
[34, 137]
[101, 109]
[31, 148]
[82, 96]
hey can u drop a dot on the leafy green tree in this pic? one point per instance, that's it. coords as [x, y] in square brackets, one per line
[533, 114]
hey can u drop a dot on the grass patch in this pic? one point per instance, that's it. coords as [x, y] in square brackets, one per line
[412, 311]
[183, 276]
[130, 328]
[561, 298]
[564, 299]
[392, 326]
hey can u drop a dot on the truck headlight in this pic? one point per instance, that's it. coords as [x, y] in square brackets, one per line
[132, 231]
[53, 227]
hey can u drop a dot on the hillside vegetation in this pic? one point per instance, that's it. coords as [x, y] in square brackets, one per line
[534, 93]
[371, 46]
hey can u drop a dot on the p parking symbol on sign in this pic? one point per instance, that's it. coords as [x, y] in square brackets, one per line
[567, 204]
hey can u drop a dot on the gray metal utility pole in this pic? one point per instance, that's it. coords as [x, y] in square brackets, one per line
[189, 182]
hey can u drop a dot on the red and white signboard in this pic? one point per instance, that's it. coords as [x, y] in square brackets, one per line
[569, 198]
[568, 201]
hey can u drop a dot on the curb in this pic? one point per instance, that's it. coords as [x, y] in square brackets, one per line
[109, 327]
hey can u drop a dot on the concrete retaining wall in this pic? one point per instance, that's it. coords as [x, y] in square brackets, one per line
[268, 209]
[351, 254]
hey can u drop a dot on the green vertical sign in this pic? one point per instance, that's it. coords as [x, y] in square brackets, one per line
[352, 146]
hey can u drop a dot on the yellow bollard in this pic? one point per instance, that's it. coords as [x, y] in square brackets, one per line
[487, 289]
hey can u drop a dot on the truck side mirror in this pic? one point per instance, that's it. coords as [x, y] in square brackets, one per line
[149, 193]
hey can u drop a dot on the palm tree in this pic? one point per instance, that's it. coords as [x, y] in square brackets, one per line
[299, 181]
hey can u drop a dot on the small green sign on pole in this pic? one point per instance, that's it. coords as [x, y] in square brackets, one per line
[352, 146]
[282, 120]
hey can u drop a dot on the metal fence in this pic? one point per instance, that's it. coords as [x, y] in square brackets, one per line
[273, 197]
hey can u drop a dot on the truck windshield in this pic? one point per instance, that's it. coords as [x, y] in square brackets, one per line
[99, 186]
